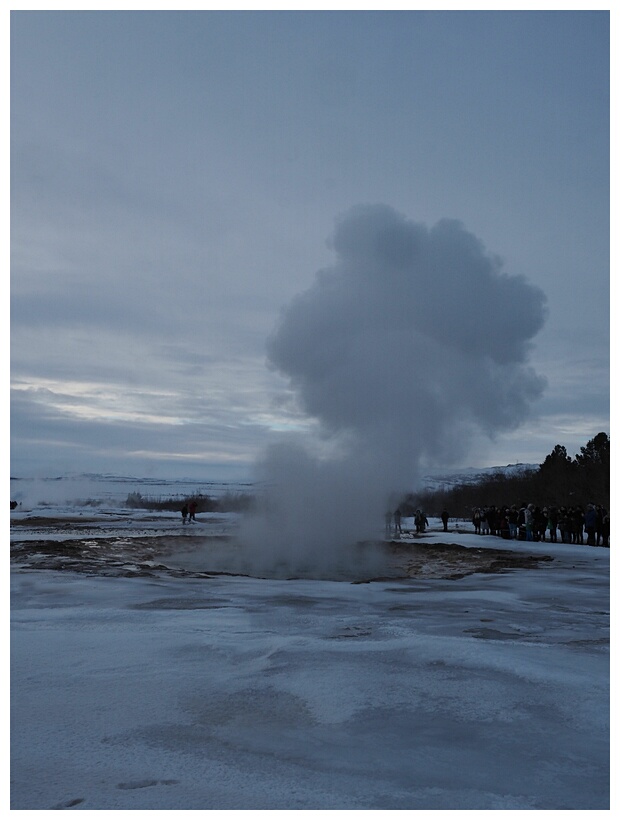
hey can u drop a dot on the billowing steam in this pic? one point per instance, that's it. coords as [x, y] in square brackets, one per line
[410, 341]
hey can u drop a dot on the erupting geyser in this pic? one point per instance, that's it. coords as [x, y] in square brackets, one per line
[412, 340]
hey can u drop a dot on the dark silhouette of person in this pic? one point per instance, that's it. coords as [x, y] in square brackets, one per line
[600, 515]
[397, 518]
[476, 520]
[421, 522]
[564, 525]
[606, 529]
[504, 526]
[184, 513]
[513, 521]
[445, 517]
[590, 524]
[552, 524]
[492, 519]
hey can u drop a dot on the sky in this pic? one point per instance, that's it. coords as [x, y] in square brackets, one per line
[233, 230]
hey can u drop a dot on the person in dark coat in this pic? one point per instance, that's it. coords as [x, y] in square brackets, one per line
[476, 519]
[552, 524]
[564, 525]
[504, 526]
[492, 519]
[513, 521]
[598, 535]
[540, 524]
[521, 521]
[421, 522]
[444, 518]
[590, 524]
[606, 529]
[579, 521]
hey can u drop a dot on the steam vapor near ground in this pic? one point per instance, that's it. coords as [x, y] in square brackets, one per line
[412, 340]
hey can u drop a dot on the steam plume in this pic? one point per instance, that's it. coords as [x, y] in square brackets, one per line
[410, 341]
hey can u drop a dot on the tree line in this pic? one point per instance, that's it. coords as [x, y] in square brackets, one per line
[228, 502]
[559, 481]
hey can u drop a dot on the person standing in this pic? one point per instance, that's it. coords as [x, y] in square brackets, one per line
[540, 523]
[513, 521]
[504, 527]
[476, 518]
[492, 519]
[444, 518]
[529, 522]
[184, 513]
[590, 524]
[484, 522]
[192, 510]
[521, 522]
[578, 519]
[397, 518]
[564, 526]
[598, 535]
[606, 529]
[552, 524]
[421, 522]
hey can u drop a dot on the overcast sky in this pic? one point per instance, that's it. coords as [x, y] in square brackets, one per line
[179, 179]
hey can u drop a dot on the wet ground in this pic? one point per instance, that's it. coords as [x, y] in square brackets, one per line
[208, 555]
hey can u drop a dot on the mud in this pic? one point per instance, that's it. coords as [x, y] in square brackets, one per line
[157, 555]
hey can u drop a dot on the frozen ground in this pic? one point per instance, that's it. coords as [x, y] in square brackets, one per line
[141, 680]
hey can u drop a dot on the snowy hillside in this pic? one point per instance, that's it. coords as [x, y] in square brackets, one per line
[472, 475]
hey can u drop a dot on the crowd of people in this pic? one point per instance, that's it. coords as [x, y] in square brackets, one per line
[527, 522]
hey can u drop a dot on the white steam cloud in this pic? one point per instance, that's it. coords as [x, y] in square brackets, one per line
[410, 341]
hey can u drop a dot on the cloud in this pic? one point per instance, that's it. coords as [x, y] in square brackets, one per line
[60, 425]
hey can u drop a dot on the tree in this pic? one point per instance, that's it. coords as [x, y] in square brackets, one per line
[595, 453]
[593, 470]
[557, 475]
[558, 459]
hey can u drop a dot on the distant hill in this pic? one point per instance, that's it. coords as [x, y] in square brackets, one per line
[471, 475]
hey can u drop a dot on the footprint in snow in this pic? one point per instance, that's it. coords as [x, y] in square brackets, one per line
[144, 784]
[69, 804]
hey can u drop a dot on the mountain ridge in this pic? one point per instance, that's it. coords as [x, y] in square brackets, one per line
[472, 475]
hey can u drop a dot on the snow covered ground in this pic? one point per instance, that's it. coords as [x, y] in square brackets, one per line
[146, 689]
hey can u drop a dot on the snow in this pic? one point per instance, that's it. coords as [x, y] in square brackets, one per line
[488, 691]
